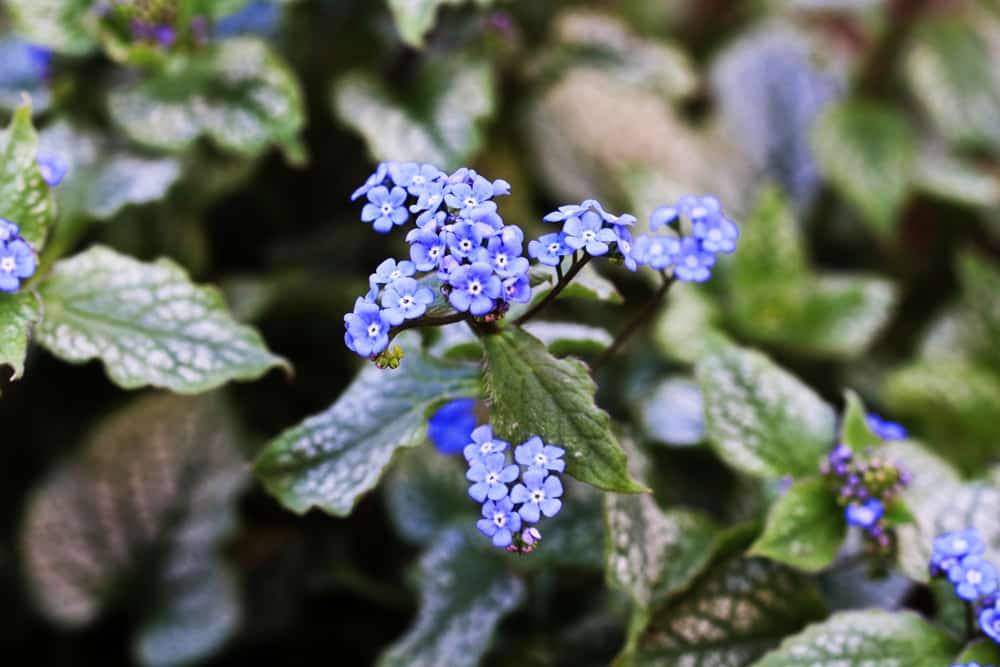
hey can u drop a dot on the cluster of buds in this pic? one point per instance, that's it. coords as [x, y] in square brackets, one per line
[157, 22]
[389, 358]
[525, 542]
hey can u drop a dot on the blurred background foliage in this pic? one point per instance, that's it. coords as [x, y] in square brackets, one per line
[857, 142]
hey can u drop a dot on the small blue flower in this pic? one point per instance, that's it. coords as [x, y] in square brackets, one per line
[430, 198]
[973, 577]
[486, 219]
[550, 248]
[449, 428]
[17, 263]
[717, 233]
[427, 249]
[483, 444]
[658, 252]
[8, 230]
[501, 188]
[663, 215]
[53, 168]
[692, 263]
[414, 177]
[465, 197]
[375, 180]
[464, 239]
[517, 289]
[385, 208]
[499, 522]
[865, 515]
[505, 257]
[406, 299]
[490, 476]
[539, 494]
[587, 231]
[474, 289]
[367, 329]
[623, 241]
[884, 428]
[257, 18]
[390, 270]
[449, 265]
[989, 622]
[536, 454]
[41, 58]
[959, 544]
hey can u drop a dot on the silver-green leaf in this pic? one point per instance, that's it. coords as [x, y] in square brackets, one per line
[18, 314]
[24, 196]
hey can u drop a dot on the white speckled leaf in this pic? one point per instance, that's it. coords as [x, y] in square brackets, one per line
[461, 97]
[61, 25]
[426, 492]
[734, 614]
[957, 179]
[160, 477]
[18, 314]
[867, 152]
[415, 18]
[564, 338]
[805, 527]
[148, 323]
[24, 196]
[761, 419]
[464, 594]
[871, 638]
[331, 459]
[103, 179]
[680, 329]
[239, 94]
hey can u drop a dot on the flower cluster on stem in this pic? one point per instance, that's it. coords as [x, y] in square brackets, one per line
[959, 557]
[17, 259]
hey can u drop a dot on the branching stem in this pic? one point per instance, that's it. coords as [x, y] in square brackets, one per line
[564, 281]
[647, 310]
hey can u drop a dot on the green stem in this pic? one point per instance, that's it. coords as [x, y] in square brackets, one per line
[647, 310]
[551, 296]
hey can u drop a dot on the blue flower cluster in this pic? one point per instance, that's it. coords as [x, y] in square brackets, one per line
[506, 509]
[884, 428]
[970, 664]
[459, 238]
[589, 228]
[17, 259]
[959, 557]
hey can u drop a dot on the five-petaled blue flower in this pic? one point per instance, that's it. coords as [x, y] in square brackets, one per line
[391, 270]
[385, 208]
[717, 233]
[499, 522]
[483, 444]
[406, 299]
[414, 177]
[431, 198]
[465, 197]
[464, 239]
[517, 289]
[550, 248]
[427, 249]
[587, 231]
[475, 288]
[491, 475]
[451, 425]
[539, 494]
[367, 328]
[864, 515]
[989, 622]
[950, 548]
[17, 263]
[505, 256]
[884, 428]
[692, 263]
[658, 252]
[973, 578]
[536, 454]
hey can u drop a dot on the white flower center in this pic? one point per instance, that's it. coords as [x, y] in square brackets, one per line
[501, 260]
[373, 330]
[699, 212]
[475, 287]
[406, 301]
[500, 519]
[541, 459]
[492, 478]
[465, 245]
[624, 247]
[974, 577]
[961, 545]
[418, 180]
[433, 199]
[589, 235]
[470, 202]
[434, 251]
[395, 274]
[386, 209]
[656, 249]
[7, 265]
[692, 261]
[554, 248]
[537, 496]
[486, 447]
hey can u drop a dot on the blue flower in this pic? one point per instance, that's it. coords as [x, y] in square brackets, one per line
[465, 197]
[539, 494]
[865, 515]
[693, 207]
[550, 248]
[587, 231]
[973, 577]
[658, 252]
[517, 289]
[959, 544]
[416, 178]
[367, 329]
[576, 210]
[53, 168]
[623, 241]
[989, 622]
[464, 239]
[41, 58]
[499, 522]
[884, 428]
[474, 289]
[406, 299]
[717, 233]
[385, 208]
[375, 180]
[449, 265]
[17, 263]
[258, 18]
[692, 263]
[8, 230]
[427, 249]
[449, 428]
[536, 454]
[505, 256]
[491, 476]
[390, 270]
[430, 198]
[483, 444]
[501, 188]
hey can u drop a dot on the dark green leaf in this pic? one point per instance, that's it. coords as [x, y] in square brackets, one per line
[564, 338]
[61, 25]
[983, 651]
[854, 431]
[805, 527]
[861, 638]
[533, 393]
[18, 314]
[426, 493]
[331, 459]
[761, 419]
[980, 309]
[24, 196]
[415, 18]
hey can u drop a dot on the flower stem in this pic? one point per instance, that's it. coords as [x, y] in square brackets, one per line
[644, 314]
[427, 322]
[564, 281]
[970, 622]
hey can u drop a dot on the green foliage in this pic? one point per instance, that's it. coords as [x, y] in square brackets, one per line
[62, 25]
[805, 527]
[24, 196]
[414, 18]
[854, 430]
[18, 314]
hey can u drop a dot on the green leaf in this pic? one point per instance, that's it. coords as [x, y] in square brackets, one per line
[460, 95]
[856, 638]
[24, 196]
[983, 651]
[805, 527]
[651, 553]
[153, 491]
[61, 25]
[18, 314]
[735, 613]
[587, 284]
[564, 338]
[576, 540]
[854, 431]
[762, 420]
[426, 493]
[683, 325]
[331, 459]
[464, 594]
[957, 179]
[148, 323]
[980, 326]
[533, 393]
[867, 151]
[103, 178]
[238, 93]
[415, 18]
